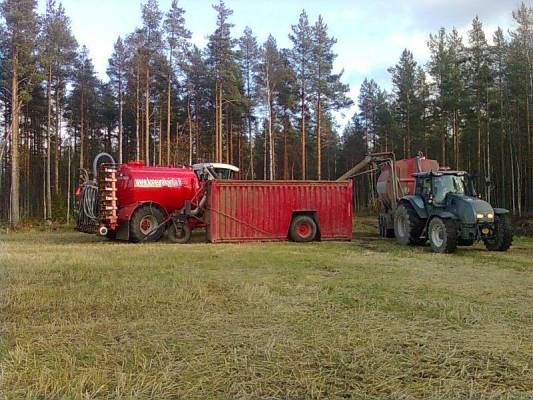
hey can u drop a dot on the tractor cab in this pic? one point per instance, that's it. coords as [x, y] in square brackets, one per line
[210, 171]
[436, 186]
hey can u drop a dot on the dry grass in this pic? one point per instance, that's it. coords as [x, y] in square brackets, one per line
[84, 318]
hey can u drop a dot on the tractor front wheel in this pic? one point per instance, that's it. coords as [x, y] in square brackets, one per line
[442, 235]
[503, 235]
[408, 226]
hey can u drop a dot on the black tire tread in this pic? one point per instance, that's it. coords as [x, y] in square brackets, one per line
[450, 242]
[136, 235]
[415, 223]
[504, 235]
[293, 234]
[171, 234]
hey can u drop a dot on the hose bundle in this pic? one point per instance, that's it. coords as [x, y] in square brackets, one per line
[88, 200]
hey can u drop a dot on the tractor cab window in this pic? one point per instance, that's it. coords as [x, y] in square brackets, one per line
[224, 173]
[442, 185]
[423, 187]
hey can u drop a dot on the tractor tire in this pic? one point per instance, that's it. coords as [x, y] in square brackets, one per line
[503, 235]
[303, 229]
[442, 235]
[144, 220]
[179, 234]
[408, 226]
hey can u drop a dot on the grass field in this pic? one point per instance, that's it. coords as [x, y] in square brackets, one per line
[84, 318]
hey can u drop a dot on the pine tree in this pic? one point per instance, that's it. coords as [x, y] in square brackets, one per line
[83, 102]
[329, 91]
[521, 49]
[408, 89]
[117, 69]
[178, 43]
[248, 59]
[301, 60]
[222, 61]
[152, 43]
[478, 85]
[19, 39]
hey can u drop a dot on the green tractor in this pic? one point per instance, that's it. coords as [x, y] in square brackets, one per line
[446, 210]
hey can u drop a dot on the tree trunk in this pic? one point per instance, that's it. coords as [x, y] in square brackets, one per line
[58, 137]
[49, 144]
[15, 175]
[189, 122]
[147, 117]
[318, 139]
[160, 155]
[217, 158]
[82, 132]
[120, 120]
[169, 113]
[197, 128]
[270, 137]
[137, 112]
[303, 134]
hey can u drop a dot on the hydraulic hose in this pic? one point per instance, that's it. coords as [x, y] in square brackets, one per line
[88, 206]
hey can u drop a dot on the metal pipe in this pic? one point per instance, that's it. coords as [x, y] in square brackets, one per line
[95, 163]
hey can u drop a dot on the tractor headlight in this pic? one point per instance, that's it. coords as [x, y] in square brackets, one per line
[490, 216]
[479, 216]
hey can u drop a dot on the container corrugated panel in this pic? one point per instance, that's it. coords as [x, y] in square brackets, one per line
[262, 210]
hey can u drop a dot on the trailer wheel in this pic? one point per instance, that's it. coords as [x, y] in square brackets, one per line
[303, 229]
[503, 235]
[144, 220]
[442, 235]
[407, 226]
[179, 233]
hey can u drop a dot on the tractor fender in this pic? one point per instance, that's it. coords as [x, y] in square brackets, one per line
[501, 211]
[125, 213]
[417, 203]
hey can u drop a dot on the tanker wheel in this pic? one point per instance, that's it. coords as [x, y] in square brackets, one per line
[503, 235]
[143, 223]
[303, 229]
[408, 226]
[179, 233]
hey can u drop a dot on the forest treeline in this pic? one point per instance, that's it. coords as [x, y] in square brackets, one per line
[269, 110]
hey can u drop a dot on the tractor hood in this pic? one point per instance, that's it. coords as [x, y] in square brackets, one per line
[470, 209]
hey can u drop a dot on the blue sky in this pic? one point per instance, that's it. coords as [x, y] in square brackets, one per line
[371, 34]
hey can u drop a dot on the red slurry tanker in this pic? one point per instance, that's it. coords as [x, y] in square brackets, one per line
[140, 203]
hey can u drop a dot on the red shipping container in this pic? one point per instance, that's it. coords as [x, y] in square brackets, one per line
[263, 210]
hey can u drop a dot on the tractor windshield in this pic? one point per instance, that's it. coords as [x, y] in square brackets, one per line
[442, 185]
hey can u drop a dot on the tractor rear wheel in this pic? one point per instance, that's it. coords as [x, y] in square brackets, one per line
[503, 235]
[145, 220]
[442, 235]
[303, 229]
[179, 233]
[408, 226]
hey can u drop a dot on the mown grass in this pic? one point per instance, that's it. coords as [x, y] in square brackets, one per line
[85, 318]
